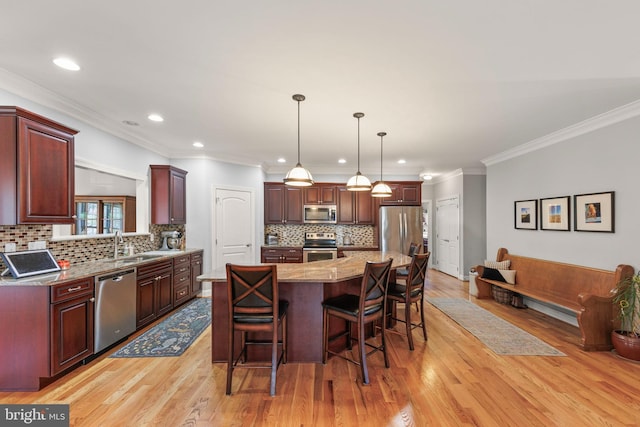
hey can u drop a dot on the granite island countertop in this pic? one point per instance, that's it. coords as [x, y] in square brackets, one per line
[335, 270]
[94, 268]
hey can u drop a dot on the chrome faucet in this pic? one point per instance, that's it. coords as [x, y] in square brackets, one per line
[117, 240]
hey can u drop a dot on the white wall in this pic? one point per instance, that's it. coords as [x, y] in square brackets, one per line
[92, 144]
[602, 160]
[473, 212]
[203, 175]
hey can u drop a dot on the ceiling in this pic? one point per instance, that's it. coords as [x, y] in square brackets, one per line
[451, 82]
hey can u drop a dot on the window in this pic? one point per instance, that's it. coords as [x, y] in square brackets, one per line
[104, 214]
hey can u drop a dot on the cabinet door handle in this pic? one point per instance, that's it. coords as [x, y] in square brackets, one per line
[77, 288]
[92, 299]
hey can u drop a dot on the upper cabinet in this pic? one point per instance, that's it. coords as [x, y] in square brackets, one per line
[282, 204]
[168, 195]
[36, 169]
[405, 193]
[355, 207]
[320, 194]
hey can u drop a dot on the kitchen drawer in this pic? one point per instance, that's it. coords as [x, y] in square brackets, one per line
[196, 256]
[181, 293]
[155, 268]
[182, 259]
[182, 278]
[65, 291]
[181, 268]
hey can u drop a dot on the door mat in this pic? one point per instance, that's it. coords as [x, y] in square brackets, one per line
[173, 335]
[500, 336]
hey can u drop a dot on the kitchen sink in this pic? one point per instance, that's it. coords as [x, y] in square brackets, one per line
[134, 259]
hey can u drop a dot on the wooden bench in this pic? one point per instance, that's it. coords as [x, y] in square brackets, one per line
[582, 290]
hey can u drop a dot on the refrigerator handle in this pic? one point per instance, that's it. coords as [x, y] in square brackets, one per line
[401, 224]
[406, 228]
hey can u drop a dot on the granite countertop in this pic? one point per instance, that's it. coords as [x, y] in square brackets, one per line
[334, 270]
[94, 268]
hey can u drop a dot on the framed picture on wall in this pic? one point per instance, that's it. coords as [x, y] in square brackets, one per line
[526, 214]
[594, 212]
[555, 213]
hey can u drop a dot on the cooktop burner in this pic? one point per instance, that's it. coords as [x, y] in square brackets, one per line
[320, 240]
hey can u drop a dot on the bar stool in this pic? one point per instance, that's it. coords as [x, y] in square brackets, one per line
[254, 307]
[412, 291]
[367, 307]
[414, 248]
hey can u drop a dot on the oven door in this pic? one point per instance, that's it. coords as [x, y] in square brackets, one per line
[309, 255]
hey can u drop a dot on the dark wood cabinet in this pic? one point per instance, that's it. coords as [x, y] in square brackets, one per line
[282, 204]
[181, 279]
[36, 169]
[71, 323]
[320, 194]
[154, 291]
[168, 195]
[404, 193]
[355, 207]
[196, 270]
[281, 255]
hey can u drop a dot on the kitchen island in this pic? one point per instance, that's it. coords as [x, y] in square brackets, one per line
[305, 286]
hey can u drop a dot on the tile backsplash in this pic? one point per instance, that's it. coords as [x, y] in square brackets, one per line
[78, 251]
[293, 235]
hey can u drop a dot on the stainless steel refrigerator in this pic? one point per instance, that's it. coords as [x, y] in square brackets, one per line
[399, 227]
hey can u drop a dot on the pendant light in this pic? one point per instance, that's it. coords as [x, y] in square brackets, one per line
[298, 176]
[358, 182]
[381, 189]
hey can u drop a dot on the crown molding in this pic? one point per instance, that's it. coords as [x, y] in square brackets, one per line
[600, 121]
[35, 93]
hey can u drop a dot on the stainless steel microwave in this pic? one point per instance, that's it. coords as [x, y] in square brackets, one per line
[320, 214]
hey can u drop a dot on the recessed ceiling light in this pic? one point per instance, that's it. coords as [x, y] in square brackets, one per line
[427, 177]
[130, 123]
[402, 161]
[66, 63]
[198, 144]
[155, 118]
[342, 161]
[282, 160]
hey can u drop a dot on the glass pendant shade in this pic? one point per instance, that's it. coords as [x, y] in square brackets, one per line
[381, 189]
[358, 182]
[298, 176]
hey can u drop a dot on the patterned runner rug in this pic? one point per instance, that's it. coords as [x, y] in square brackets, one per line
[499, 335]
[173, 335]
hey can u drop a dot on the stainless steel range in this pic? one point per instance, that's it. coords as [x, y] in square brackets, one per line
[319, 246]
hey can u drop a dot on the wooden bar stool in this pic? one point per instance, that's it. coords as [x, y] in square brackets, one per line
[412, 291]
[367, 307]
[254, 307]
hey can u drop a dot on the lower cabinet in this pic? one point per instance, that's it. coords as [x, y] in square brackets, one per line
[71, 323]
[181, 279]
[155, 291]
[196, 270]
[281, 255]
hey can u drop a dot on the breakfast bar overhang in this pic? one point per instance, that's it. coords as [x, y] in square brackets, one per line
[305, 286]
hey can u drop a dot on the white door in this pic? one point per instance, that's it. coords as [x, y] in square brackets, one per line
[234, 230]
[448, 236]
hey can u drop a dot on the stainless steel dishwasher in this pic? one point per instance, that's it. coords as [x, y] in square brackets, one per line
[115, 313]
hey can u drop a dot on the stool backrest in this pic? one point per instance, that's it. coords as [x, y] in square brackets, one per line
[417, 272]
[373, 290]
[252, 290]
[414, 248]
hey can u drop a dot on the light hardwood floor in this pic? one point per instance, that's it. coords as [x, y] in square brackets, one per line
[450, 380]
